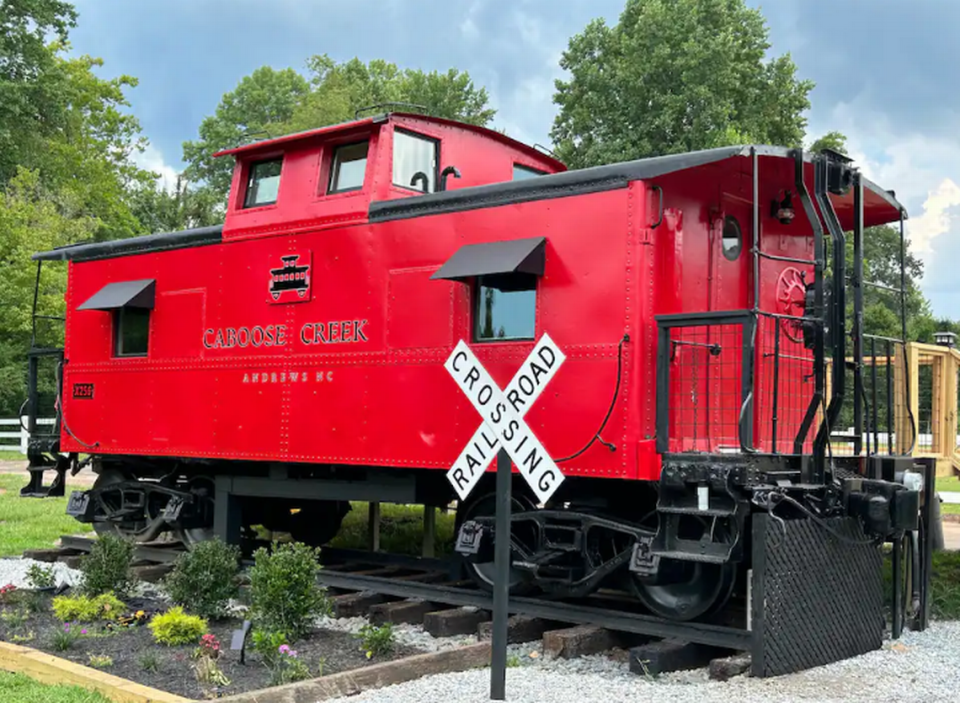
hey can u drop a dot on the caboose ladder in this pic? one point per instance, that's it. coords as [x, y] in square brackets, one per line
[43, 447]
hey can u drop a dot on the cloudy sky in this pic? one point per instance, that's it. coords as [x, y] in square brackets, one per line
[885, 72]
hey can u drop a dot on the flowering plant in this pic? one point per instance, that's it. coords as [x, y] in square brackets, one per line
[5, 591]
[209, 647]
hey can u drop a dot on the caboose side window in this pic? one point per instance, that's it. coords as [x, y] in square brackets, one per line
[348, 168]
[523, 172]
[506, 308]
[263, 183]
[131, 329]
[415, 160]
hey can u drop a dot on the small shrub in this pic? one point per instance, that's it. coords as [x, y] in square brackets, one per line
[376, 640]
[32, 601]
[100, 661]
[40, 577]
[106, 568]
[175, 627]
[267, 644]
[285, 596]
[66, 637]
[86, 609]
[7, 593]
[149, 661]
[289, 667]
[204, 579]
[15, 618]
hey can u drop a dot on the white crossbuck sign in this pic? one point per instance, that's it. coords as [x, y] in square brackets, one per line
[502, 413]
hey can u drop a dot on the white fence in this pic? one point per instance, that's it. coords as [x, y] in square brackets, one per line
[16, 438]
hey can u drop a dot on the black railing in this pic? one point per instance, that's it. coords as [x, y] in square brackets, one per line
[705, 381]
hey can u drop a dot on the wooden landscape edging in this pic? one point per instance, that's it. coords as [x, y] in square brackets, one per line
[49, 669]
[348, 683]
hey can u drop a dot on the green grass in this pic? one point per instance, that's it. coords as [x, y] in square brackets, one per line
[401, 530]
[7, 455]
[948, 483]
[945, 586]
[17, 688]
[31, 523]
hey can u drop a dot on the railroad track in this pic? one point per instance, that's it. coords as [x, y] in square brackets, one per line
[398, 588]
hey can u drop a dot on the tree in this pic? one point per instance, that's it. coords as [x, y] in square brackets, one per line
[159, 210]
[262, 99]
[271, 103]
[30, 108]
[32, 218]
[675, 76]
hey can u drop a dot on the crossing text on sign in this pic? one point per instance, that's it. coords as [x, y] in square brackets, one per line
[502, 413]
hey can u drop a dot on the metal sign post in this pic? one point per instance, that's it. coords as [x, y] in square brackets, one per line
[501, 584]
[503, 432]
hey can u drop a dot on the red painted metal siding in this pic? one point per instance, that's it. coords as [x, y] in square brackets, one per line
[376, 393]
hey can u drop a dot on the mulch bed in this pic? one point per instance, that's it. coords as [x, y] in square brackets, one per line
[128, 646]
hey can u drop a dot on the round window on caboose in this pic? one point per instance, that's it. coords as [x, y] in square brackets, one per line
[732, 239]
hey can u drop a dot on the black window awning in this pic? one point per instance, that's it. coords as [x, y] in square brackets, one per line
[123, 294]
[523, 256]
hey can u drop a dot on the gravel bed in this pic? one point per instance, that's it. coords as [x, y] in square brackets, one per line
[14, 570]
[406, 635]
[917, 668]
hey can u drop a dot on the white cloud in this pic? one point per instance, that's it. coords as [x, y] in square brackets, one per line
[938, 216]
[151, 159]
[468, 27]
[924, 172]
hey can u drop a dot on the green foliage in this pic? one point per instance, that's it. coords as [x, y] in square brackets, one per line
[283, 662]
[100, 661]
[176, 627]
[377, 640]
[284, 593]
[270, 103]
[160, 210]
[149, 661]
[104, 607]
[65, 637]
[41, 576]
[267, 644]
[66, 173]
[675, 76]
[204, 579]
[107, 565]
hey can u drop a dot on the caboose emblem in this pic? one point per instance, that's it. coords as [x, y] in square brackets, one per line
[291, 283]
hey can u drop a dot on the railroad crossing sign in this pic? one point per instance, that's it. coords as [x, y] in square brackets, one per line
[503, 425]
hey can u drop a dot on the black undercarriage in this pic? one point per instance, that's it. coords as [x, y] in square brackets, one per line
[679, 546]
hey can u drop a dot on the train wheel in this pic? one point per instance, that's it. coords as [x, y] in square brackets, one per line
[202, 489]
[483, 574]
[685, 590]
[112, 502]
[693, 589]
[318, 522]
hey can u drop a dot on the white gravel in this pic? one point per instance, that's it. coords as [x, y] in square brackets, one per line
[920, 667]
[15, 571]
[409, 635]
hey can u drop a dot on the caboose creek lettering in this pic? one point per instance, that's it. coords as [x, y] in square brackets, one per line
[335, 332]
[503, 412]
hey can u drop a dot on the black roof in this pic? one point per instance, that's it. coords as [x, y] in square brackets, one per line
[581, 181]
[135, 245]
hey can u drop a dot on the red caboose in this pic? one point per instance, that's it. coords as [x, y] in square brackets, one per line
[271, 370]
